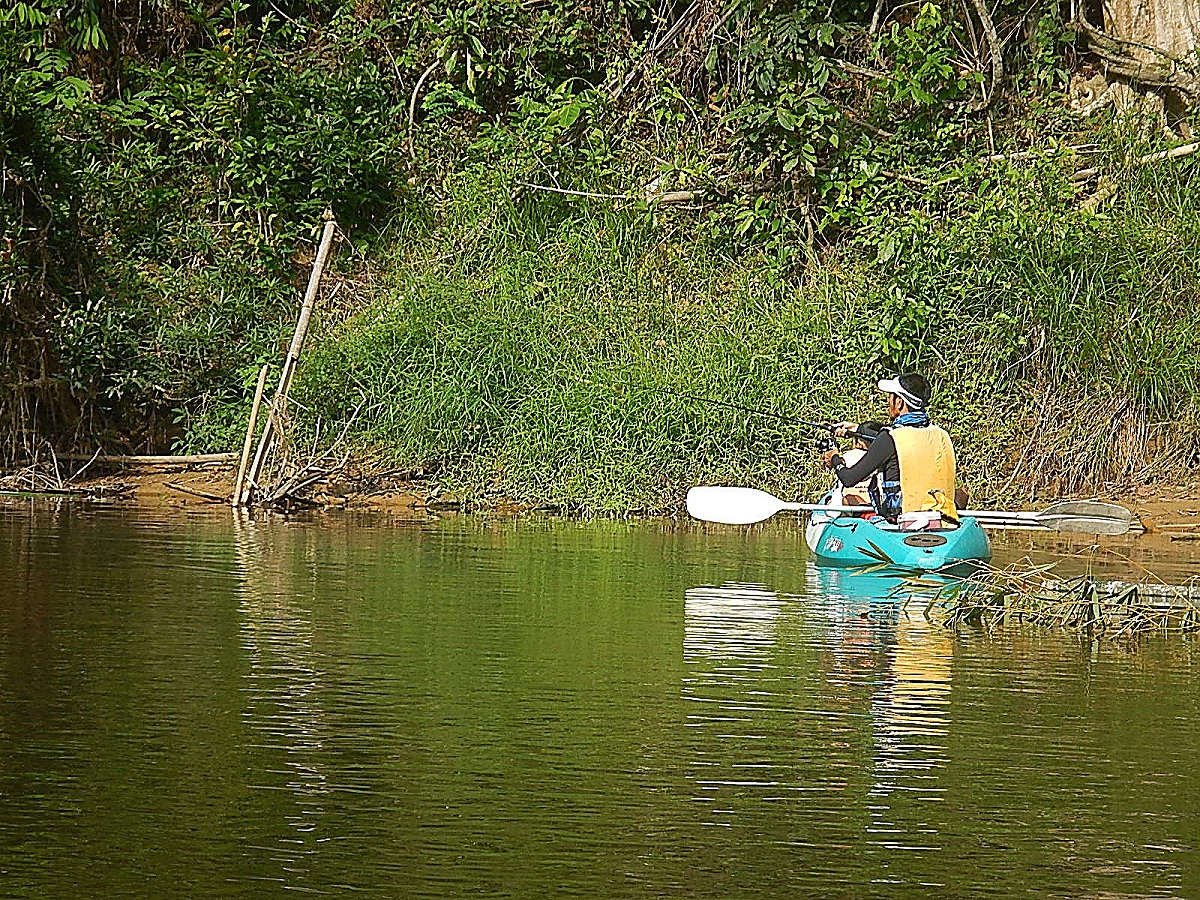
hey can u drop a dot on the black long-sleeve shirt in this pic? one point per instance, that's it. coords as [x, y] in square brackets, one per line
[881, 454]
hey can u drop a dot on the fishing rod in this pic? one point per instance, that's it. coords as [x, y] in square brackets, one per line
[823, 426]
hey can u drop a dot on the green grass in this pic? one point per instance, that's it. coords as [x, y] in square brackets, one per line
[537, 350]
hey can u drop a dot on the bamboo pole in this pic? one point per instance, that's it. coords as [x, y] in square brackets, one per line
[279, 401]
[236, 499]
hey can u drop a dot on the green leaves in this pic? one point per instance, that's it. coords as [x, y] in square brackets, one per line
[925, 75]
[30, 15]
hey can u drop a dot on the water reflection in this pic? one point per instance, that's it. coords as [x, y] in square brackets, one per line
[735, 622]
[910, 713]
[551, 709]
[283, 688]
[886, 676]
[880, 631]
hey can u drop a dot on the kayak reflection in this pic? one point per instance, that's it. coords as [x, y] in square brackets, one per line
[878, 730]
[878, 625]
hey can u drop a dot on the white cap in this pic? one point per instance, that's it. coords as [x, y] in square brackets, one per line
[893, 386]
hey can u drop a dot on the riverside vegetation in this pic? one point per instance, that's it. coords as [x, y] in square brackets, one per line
[560, 218]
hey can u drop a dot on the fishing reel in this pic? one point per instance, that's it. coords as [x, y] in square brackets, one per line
[826, 445]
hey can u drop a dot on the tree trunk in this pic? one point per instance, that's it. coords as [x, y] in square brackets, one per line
[1149, 42]
[1154, 28]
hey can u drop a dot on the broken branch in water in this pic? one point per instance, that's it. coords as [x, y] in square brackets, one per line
[1116, 609]
[203, 495]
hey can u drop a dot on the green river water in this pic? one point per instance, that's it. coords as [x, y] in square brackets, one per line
[197, 706]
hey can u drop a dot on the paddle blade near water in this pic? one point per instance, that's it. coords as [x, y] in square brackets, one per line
[1078, 516]
[1087, 517]
[732, 505]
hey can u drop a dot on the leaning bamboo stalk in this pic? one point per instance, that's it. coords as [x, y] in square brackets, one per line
[236, 499]
[279, 401]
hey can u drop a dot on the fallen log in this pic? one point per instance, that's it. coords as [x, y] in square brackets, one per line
[137, 460]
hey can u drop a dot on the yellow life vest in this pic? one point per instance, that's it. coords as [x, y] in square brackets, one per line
[926, 459]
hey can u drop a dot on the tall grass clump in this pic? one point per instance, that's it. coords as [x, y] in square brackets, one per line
[544, 355]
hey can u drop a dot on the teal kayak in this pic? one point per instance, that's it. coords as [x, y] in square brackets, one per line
[847, 540]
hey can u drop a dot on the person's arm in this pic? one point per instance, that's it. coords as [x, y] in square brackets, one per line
[881, 450]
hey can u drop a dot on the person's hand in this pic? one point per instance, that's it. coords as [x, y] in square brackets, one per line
[827, 458]
[841, 429]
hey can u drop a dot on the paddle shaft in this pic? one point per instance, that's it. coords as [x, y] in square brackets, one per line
[733, 505]
[818, 507]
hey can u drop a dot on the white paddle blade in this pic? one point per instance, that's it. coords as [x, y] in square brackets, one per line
[732, 505]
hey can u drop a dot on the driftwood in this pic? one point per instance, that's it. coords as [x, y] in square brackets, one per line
[203, 495]
[119, 460]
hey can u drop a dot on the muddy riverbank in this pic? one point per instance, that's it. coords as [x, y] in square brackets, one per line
[1166, 510]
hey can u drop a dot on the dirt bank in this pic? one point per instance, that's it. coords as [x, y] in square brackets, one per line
[1165, 510]
[184, 485]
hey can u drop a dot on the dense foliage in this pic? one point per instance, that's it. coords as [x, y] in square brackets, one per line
[766, 199]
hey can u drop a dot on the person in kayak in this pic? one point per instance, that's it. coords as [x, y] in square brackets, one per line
[912, 457]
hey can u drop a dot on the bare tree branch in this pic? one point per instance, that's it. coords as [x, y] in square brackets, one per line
[995, 49]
